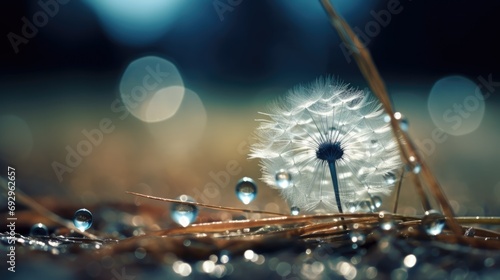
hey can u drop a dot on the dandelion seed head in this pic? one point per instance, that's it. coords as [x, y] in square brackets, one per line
[327, 121]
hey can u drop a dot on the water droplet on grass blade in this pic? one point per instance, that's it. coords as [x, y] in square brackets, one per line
[82, 219]
[246, 190]
[376, 203]
[283, 179]
[386, 221]
[294, 210]
[184, 214]
[433, 222]
[390, 178]
[39, 229]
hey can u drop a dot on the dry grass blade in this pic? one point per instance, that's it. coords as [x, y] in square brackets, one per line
[231, 209]
[371, 74]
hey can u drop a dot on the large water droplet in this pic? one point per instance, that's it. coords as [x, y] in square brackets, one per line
[82, 219]
[184, 214]
[246, 190]
[295, 210]
[390, 178]
[39, 229]
[433, 222]
[283, 179]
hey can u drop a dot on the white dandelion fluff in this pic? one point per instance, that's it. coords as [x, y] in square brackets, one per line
[331, 143]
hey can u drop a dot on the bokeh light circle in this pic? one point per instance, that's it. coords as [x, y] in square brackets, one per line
[152, 89]
[136, 22]
[179, 135]
[456, 105]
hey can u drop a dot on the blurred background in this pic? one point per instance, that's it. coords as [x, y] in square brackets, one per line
[161, 96]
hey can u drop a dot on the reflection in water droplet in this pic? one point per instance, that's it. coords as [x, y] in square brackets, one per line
[283, 179]
[433, 222]
[390, 178]
[184, 214]
[246, 190]
[82, 219]
[39, 229]
[295, 210]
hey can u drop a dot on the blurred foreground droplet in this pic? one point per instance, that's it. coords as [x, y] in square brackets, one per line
[152, 89]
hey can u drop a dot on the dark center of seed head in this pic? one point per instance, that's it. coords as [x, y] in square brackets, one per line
[329, 151]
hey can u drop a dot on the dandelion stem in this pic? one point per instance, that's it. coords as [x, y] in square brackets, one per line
[333, 173]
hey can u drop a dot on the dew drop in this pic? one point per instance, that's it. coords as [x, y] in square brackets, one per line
[39, 229]
[386, 221]
[184, 214]
[246, 190]
[82, 219]
[295, 210]
[283, 179]
[403, 121]
[357, 237]
[351, 207]
[390, 178]
[433, 222]
[376, 203]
